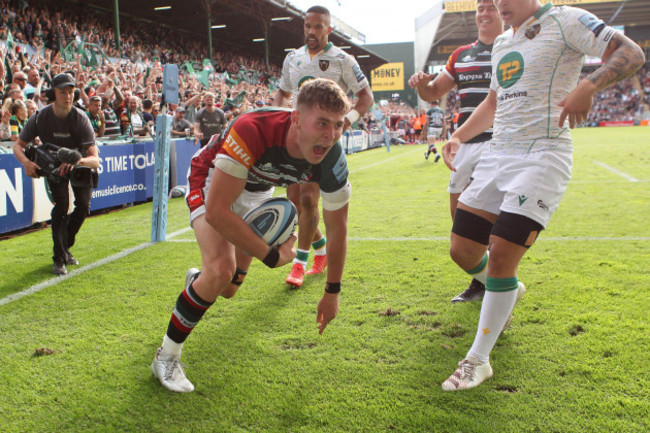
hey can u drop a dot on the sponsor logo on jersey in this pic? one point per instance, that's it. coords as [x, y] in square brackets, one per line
[323, 65]
[513, 95]
[468, 59]
[542, 205]
[510, 69]
[592, 23]
[484, 53]
[237, 149]
[357, 73]
[533, 31]
[195, 199]
[522, 199]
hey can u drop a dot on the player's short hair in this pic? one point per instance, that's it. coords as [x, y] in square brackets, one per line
[319, 10]
[325, 94]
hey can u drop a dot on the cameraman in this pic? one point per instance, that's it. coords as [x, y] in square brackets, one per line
[68, 127]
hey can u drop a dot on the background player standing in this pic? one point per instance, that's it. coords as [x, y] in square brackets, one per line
[317, 58]
[470, 68]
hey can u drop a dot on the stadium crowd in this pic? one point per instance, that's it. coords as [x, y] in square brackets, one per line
[45, 38]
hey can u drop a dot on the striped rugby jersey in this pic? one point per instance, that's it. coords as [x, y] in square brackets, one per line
[471, 68]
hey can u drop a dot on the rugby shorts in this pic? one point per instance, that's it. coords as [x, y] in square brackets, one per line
[530, 184]
[465, 162]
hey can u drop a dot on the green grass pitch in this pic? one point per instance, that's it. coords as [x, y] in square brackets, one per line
[573, 361]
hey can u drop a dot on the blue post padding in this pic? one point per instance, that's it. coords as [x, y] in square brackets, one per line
[170, 84]
[161, 178]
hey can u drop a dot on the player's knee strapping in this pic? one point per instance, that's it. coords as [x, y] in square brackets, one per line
[188, 311]
[517, 229]
[472, 226]
[239, 276]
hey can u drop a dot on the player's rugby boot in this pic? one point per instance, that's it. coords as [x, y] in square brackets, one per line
[318, 267]
[469, 374]
[296, 275]
[169, 371]
[474, 292]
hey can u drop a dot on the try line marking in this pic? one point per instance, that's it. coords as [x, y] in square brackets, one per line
[56, 280]
[613, 170]
[446, 238]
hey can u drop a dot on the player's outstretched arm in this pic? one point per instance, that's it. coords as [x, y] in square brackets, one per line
[336, 224]
[622, 59]
[431, 87]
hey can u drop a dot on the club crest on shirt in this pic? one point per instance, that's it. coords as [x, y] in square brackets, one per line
[533, 31]
[323, 64]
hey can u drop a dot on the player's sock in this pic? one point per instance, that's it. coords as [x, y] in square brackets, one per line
[302, 257]
[189, 310]
[320, 246]
[499, 300]
[480, 271]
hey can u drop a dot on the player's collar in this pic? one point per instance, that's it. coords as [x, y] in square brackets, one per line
[541, 11]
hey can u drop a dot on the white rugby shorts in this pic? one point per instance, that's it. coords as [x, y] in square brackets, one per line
[434, 133]
[529, 184]
[197, 195]
[465, 162]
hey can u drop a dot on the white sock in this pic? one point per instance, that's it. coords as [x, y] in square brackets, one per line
[495, 310]
[170, 348]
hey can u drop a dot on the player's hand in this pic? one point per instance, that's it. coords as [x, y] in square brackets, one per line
[420, 80]
[577, 104]
[449, 151]
[328, 307]
[287, 251]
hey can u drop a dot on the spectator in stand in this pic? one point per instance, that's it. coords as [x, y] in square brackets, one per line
[31, 108]
[209, 121]
[131, 120]
[33, 81]
[18, 119]
[20, 78]
[147, 110]
[192, 106]
[5, 128]
[111, 122]
[96, 115]
[181, 127]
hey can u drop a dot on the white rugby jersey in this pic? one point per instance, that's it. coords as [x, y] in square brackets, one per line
[535, 68]
[332, 63]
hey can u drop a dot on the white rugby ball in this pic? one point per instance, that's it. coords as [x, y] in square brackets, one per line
[274, 220]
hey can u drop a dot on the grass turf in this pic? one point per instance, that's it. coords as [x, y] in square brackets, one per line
[572, 361]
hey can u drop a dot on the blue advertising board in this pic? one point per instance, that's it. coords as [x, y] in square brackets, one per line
[16, 195]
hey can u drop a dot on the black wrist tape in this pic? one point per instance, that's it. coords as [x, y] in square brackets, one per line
[272, 258]
[333, 288]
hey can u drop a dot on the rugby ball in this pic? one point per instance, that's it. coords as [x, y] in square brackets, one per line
[274, 220]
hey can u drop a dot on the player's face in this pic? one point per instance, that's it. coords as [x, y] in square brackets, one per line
[516, 12]
[488, 20]
[318, 131]
[64, 97]
[317, 29]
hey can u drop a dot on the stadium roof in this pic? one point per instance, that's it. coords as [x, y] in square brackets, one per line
[244, 20]
[459, 27]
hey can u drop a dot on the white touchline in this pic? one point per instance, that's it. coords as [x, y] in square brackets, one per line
[56, 280]
[613, 170]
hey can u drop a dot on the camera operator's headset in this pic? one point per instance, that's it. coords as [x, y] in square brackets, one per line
[49, 94]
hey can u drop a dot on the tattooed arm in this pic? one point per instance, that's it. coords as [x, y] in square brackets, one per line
[622, 59]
